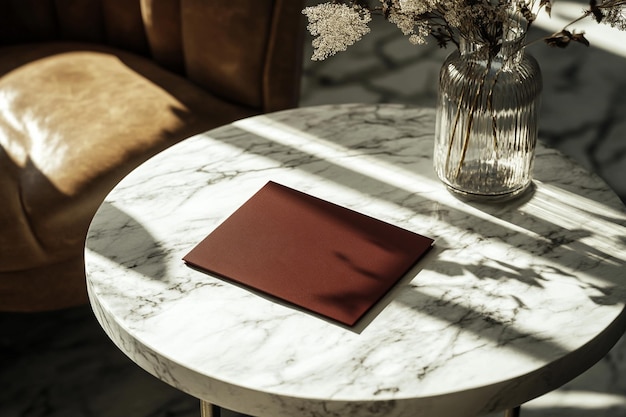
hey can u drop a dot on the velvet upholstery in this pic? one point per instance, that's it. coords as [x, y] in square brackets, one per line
[89, 89]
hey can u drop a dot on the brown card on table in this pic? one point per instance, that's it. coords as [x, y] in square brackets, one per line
[309, 252]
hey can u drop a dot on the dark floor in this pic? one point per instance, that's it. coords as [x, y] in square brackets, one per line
[61, 364]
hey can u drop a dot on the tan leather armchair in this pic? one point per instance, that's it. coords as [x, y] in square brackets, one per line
[89, 89]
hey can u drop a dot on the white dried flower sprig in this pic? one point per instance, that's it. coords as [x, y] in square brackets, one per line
[416, 30]
[341, 23]
[336, 26]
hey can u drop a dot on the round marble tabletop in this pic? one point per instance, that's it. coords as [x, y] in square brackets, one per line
[514, 300]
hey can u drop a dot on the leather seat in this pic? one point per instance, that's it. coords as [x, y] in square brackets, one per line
[90, 89]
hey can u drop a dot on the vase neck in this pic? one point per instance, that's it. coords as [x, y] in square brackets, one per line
[507, 54]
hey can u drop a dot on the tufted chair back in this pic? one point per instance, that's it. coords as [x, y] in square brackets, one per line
[89, 89]
[244, 51]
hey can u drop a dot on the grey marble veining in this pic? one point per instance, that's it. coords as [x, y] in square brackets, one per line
[508, 306]
[582, 116]
[61, 364]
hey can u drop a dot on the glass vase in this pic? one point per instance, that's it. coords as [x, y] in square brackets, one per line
[487, 117]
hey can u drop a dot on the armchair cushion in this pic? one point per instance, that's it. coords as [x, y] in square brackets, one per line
[74, 119]
[90, 89]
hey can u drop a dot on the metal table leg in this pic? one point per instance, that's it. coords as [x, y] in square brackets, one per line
[209, 410]
[513, 412]
[212, 410]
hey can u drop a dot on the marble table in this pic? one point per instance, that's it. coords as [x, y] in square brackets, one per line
[514, 300]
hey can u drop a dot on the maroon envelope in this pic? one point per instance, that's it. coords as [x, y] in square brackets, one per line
[317, 255]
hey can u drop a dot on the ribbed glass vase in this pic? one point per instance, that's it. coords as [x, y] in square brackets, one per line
[487, 116]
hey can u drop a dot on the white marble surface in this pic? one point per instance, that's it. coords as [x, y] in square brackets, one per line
[515, 300]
